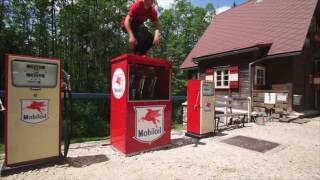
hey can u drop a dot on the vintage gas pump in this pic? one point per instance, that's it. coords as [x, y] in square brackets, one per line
[140, 103]
[33, 111]
[200, 112]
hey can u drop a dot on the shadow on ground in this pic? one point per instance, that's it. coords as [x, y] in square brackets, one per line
[83, 161]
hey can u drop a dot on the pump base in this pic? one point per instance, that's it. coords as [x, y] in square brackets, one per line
[6, 171]
[199, 136]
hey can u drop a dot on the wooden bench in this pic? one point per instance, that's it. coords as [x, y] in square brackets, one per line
[241, 116]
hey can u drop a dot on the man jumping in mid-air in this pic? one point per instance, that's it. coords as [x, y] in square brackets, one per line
[140, 39]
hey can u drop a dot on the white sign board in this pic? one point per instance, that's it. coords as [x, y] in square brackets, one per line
[207, 89]
[149, 123]
[282, 97]
[34, 74]
[269, 98]
[34, 111]
[118, 83]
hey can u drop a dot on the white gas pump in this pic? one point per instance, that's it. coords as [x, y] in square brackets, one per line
[33, 112]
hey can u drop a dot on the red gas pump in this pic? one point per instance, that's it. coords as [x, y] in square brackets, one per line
[140, 103]
[200, 113]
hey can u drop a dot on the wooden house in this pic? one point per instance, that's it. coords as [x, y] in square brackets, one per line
[268, 50]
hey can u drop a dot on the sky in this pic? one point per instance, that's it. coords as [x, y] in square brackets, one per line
[220, 5]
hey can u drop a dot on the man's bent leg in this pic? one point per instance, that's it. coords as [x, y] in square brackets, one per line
[145, 41]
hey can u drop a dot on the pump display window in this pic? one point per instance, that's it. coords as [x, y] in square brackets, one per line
[146, 82]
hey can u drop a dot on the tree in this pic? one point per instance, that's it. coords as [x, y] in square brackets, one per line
[182, 26]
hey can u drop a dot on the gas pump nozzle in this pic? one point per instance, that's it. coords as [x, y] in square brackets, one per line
[1, 106]
[141, 86]
[152, 86]
[66, 85]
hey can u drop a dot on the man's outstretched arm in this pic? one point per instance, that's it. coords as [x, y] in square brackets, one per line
[156, 40]
[132, 40]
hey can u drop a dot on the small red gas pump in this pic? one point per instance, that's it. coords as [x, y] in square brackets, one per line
[140, 103]
[200, 112]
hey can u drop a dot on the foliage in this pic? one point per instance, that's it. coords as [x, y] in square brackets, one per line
[90, 118]
[182, 26]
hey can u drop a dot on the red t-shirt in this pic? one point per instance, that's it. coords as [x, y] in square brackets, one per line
[140, 14]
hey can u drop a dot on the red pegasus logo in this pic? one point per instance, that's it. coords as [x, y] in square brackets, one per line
[152, 116]
[39, 106]
[119, 80]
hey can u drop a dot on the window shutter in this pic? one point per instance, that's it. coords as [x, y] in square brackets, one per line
[234, 77]
[209, 71]
[209, 74]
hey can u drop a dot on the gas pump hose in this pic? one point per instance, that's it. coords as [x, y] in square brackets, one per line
[67, 114]
[67, 103]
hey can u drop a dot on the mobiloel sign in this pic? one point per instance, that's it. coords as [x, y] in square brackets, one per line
[149, 123]
[118, 83]
[34, 111]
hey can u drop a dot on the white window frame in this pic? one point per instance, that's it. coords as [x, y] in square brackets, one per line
[222, 70]
[263, 69]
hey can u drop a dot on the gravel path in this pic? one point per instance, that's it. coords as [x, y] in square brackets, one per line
[297, 157]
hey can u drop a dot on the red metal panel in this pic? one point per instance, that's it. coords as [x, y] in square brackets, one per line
[193, 113]
[143, 60]
[134, 145]
[118, 111]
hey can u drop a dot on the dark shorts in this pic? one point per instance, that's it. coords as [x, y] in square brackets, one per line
[144, 38]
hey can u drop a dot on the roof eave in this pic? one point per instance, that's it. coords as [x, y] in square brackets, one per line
[190, 68]
[257, 47]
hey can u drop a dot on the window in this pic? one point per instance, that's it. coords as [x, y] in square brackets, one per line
[260, 76]
[221, 78]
